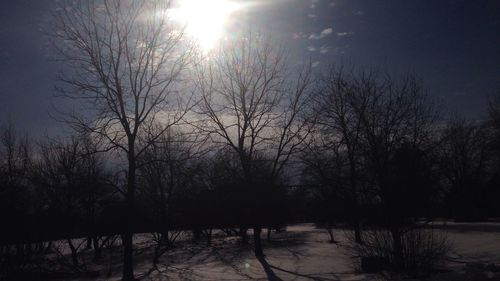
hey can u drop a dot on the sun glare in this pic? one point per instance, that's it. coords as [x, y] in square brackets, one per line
[204, 20]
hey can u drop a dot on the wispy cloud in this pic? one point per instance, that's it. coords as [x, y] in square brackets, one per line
[358, 13]
[323, 34]
[311, 48]
[299, 35]
[312, 16]
[344, 34]
[327, 31]
[322, 50]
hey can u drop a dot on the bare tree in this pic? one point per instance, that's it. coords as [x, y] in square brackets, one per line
[383, 125]
[15, 157]
[466, 161]
[251, 102]
[338, 124]
[170, 164]
[324, 173]
[396, 121]
[59, 176]
[493, 123]
[15, 193]
[124, 59]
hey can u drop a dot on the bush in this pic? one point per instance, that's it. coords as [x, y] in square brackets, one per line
[423, 249]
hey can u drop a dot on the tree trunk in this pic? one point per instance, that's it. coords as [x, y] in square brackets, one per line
[244, 236]
[257, 242]
[97, 248]
[353, 179]
[398, 250]
[128, 264]
[269, 234]
[88, 246]
[330, 233]
[165, 238]
[157, 253]
[357, 232]
[209, 236]
[74, 254]
[47, 249]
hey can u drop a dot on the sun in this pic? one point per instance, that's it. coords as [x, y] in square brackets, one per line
[204, 20]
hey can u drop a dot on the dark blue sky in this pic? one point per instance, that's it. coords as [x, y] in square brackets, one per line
[454, 45]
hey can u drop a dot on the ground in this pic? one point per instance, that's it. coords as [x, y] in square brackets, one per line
[303, 252]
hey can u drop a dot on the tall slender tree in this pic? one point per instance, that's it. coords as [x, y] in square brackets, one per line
[337, 123]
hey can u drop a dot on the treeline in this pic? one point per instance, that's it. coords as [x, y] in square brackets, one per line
[375, 153]
[59, 189]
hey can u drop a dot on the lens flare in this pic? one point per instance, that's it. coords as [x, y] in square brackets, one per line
[204, 20]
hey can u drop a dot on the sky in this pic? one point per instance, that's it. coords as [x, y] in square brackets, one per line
[453, 45]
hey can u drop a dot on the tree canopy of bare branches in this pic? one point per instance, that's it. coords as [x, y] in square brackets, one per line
[376, 126]
[126, 62]
[252, 102]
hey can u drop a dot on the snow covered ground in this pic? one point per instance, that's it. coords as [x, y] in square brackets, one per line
[301, 253]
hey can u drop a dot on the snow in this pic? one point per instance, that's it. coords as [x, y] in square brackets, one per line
[301, 253]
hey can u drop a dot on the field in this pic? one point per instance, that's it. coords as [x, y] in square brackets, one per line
[302, 252]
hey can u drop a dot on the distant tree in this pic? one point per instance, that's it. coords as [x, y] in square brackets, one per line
[466, 162]
[97, 191]
[494, 110]
[19, 202]
[493, 123]
[324, 173]
[125, 60]
[232, 207]
[57, 178]
[396, 119]
[16, 194]
[336, 103]
[377, 120]
[170, 166]
[15, 162]
[251, 102]
[71, 183]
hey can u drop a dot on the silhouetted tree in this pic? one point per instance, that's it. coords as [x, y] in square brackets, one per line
[125, 60]
[251, 102]
[16, 197]
[15, 164]
[71, 182]
[337, 102]
[170, 165]
[324, 172]
[493, 123]
[395, 114]
[466, 161]
[376, 121]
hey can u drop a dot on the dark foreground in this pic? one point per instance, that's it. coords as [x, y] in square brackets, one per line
[301, 253]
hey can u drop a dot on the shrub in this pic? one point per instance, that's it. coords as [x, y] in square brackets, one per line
[423, 249]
